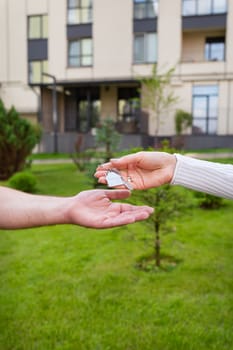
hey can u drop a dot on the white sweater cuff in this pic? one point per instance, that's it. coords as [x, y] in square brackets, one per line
[200, 175]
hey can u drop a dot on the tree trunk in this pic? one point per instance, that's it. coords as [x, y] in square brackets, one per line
[108, 151]
[157, 244]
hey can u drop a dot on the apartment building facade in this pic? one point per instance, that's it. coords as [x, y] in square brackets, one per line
[68, 64]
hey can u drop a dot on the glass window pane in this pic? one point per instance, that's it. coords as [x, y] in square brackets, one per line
[156, 7]
[139, 49]
[74, 61]
[213, 106]
[199, 107]
[73, 3]
[87, 47]
[205, 90]
[189, 7]
[151, 47]
[199, 126]
[205, 109]
[150, 10]
[204, 7]
[220, 6]
[86, 61]
[139, 11]
[34, 27]
[45, 69]
[86, 15]
[217, 51]
[207, 51]
[74, 16]
[74, 48]
[35, 72]
[44, 27]
[212, 126]
[86, 3]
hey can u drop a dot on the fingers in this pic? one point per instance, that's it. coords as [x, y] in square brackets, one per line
[121, 163]
[137, 209]
[128, 217]
[117, 194]
[125, 161]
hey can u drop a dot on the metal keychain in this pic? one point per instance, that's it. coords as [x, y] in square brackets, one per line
[114, 178]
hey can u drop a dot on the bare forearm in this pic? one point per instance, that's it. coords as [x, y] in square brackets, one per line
[21, 210]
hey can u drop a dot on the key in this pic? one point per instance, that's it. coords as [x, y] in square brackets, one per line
[114, 178]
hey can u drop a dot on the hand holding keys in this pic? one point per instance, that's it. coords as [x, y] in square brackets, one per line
[114, 178]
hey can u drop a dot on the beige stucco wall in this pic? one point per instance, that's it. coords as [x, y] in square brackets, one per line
[193, 47]
[3, 41]
[12, 41]
[13, 65]
[183, 92]
[169, 33]
[222, 110]
[229, 37]
[57, 44]
[226, 107]
[112, 34]
[108, 97]
[37, 7]
[230, 111]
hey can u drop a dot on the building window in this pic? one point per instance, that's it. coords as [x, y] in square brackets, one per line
[81, 115]
[36, 68]
[215, 49]
[80, 52]
[204, 7]
[88, 115]
[145, 48]
[145, 9]
[205, 109]
[79, 11]
[38, 27]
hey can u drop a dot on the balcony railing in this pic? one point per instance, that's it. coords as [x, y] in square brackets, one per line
[204, 7]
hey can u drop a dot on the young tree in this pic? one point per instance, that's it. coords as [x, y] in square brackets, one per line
[168, 201]
[157, 95]
[17, 140]
[107, 135]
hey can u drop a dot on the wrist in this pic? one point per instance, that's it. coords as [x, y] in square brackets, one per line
[172, 166]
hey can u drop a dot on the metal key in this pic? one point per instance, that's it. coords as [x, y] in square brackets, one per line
[114, 178]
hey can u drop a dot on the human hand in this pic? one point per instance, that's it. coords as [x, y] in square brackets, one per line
[95, 209]
[143, 169]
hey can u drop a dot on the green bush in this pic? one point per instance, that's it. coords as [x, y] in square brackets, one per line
[208, 201]
[17, 140]
[183, 120]
[23, 181]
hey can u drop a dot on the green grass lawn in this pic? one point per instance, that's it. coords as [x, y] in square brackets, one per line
[70, 288]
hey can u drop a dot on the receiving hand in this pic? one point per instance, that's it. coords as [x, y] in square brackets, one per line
[94, 209]
[143, 169]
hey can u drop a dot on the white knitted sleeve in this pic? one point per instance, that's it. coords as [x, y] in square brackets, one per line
[200, 175]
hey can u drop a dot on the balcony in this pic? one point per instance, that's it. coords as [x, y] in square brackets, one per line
[204, 14]
[202, 70]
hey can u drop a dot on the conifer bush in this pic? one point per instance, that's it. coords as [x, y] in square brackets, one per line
[18, 137]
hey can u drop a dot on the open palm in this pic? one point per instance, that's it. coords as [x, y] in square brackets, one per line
[94, 208]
